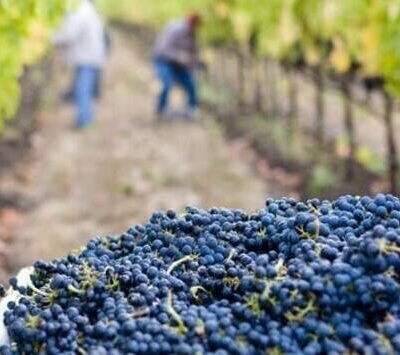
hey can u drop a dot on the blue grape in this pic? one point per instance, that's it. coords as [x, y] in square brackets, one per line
[311, 277]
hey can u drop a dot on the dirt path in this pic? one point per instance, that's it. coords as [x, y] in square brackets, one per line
[104, 179]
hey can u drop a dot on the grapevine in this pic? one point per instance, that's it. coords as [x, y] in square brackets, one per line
[25, 30]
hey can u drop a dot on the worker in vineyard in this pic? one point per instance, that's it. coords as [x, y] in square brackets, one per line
[175, 59]
[83, 35]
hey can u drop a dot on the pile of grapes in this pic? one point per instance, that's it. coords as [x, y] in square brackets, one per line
[315, 277]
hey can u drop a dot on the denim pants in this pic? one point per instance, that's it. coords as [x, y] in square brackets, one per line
[85, 86]
[170, 74]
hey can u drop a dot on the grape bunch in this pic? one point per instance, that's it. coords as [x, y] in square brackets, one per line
[314, 277]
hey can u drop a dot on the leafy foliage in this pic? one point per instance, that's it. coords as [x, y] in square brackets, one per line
[25, 27]
[336, 35]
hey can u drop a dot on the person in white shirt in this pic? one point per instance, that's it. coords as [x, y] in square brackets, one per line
[83, 35]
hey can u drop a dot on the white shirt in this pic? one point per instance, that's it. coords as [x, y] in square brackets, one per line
[83, 34]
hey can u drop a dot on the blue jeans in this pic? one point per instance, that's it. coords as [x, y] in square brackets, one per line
[85, 84]
[170, 74]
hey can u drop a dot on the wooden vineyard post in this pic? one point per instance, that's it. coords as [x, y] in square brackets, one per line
[392, 157]
[319, 108]
[220, 74]
[266, 77]
[241, 77]
[349, 126]
[367, 96]
[215, 72]
[258, 85]
[211, 73]
[271, 70]
[293, 96]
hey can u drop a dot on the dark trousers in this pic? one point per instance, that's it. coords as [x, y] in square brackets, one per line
[171, 74]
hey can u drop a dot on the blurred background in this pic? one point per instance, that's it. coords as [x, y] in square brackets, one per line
[284, 98]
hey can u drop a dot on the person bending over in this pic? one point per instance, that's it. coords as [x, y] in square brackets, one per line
[175, 59]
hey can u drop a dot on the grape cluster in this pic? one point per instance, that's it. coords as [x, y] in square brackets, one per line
[315, 277]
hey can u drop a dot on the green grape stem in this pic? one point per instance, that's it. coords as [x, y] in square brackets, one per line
[179, 262]
[176, 317]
